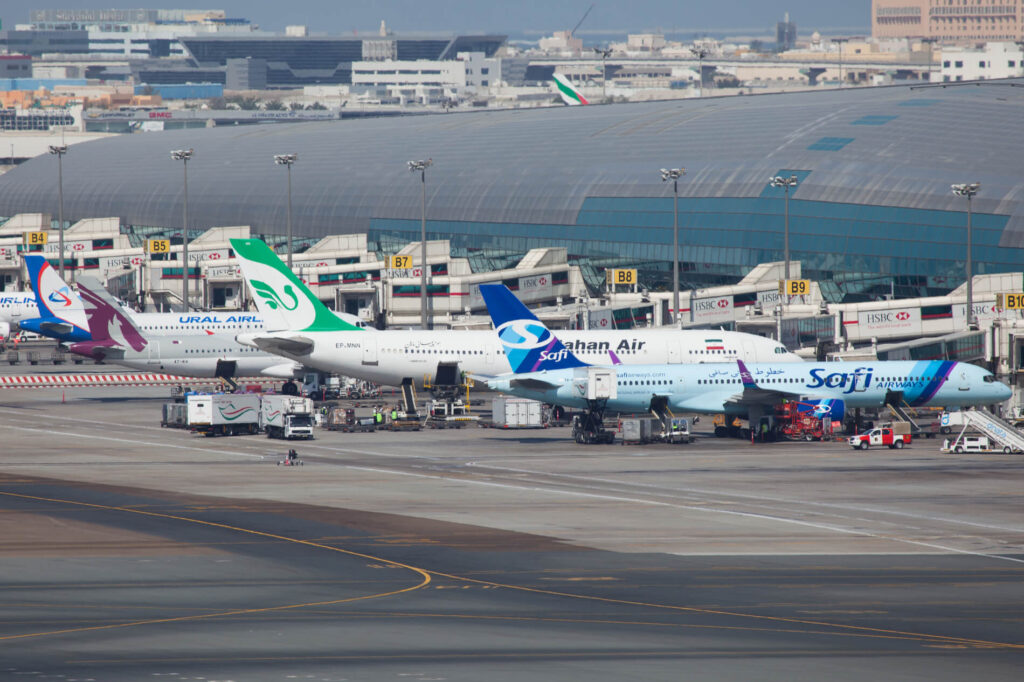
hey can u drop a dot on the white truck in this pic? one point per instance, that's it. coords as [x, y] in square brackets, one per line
[223, 414]
[286, 416]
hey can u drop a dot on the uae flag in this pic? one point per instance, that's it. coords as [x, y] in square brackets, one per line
[714, 344]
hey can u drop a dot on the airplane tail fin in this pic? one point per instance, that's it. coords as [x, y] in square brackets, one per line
[745, 376]
[283, 300]
[569, 94]
[108, 323]
[59, 306]
[529, 345]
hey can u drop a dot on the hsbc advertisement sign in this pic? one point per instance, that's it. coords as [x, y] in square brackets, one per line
[892, 322]
[718, 309]
[982, 312]
[535, 283]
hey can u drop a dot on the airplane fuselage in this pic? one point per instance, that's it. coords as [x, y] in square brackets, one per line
[717, 388]
[388, 357]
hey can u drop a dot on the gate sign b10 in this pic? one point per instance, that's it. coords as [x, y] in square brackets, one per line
[622, 276]
[795, 287]
[1010, 301]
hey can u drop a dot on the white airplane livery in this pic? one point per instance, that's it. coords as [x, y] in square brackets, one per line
[15, 307]
[315, 336]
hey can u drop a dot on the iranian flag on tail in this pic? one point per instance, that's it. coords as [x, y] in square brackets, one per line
[569, 94]
[714, 344]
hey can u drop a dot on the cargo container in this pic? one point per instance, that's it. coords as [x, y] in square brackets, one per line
[519, 413]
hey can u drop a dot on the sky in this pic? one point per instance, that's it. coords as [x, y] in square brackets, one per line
[531, 17]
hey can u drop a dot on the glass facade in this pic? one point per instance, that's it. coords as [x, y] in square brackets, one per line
[865, 252]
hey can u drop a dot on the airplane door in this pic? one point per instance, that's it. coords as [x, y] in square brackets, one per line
[153, 352]
[370, 349]
[675, 352]
[961, 381]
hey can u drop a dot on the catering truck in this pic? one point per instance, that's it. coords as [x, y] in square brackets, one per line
[286, 416]
[222, 414]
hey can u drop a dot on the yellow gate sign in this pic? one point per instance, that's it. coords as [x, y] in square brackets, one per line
[35, 238]
[399, 262]
[794, 287]
[158, 245]
[1010, 301]
[623, 276]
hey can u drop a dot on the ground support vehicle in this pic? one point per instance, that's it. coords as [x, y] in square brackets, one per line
[291, 460]
[449, 413]
[222, 414]
[677, 431]
[519, 413]
[1000, 434]
[175, 416]
[405, 422]
[345, 419]
[886, 435]
[638, 430]
[285, 416]
[963, 444]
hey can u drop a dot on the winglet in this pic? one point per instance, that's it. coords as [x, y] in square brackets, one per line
[745, 376]
[529, 345]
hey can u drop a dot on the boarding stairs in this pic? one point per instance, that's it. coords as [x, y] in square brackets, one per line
[901, 413]
[999, 431]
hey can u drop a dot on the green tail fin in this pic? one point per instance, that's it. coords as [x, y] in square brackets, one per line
[280, 295]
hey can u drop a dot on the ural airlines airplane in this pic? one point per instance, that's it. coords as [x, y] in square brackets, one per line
[315, 337]
[114, 337]
[543, 368]
[14, 308]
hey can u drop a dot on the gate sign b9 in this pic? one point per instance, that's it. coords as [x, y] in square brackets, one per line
[400, 262]
[795, 287]
[1010, 301]
[622, 276]
[159, 245]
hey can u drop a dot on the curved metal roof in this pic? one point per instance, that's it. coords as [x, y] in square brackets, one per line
[886, 146]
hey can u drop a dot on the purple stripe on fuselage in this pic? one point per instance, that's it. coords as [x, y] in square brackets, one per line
[945, 369]
[542, 354]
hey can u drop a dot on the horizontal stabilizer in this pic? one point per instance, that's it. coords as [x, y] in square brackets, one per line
[535, 384]
[290, 345]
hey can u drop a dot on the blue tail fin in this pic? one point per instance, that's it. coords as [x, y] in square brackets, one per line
[529, 345]
[61, 312]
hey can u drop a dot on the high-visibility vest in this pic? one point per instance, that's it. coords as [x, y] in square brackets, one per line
[394, 415]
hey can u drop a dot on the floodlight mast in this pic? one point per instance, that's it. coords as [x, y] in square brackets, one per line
[184, 155]
[60, 151]
[700, 53]
[288, 160]
[674, 174]
[421, 168]
[785, 183]
[969, 190]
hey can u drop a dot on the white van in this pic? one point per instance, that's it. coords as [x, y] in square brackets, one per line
[968, 444]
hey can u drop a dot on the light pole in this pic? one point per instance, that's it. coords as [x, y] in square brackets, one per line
[60, 151]
[184, 155]
[605, 52]
[930, 42]
[674, 174]
[840, 41]
[700, 53]
[421, 167]
[968, 190]
[786, 184]
[288, 160]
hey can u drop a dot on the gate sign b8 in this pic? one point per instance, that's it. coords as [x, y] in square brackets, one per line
[622, 276]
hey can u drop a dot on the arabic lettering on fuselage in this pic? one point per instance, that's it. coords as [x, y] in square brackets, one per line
[217, 319]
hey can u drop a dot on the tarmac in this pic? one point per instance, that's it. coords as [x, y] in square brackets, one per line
[132, 551]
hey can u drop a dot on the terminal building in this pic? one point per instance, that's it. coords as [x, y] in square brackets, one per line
[871, 215]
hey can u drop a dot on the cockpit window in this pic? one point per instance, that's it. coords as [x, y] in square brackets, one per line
[990, 378]
[780, 350]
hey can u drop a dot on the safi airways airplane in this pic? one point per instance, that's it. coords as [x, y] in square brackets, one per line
[317, 338]
[544, 369]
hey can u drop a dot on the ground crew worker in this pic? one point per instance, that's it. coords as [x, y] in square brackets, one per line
[394, 414]
[378, 416]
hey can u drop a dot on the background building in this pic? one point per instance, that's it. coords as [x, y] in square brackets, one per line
[959, 22]
[872, 215]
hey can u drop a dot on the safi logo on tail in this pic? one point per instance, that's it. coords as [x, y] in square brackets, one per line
[529, 345]
[61, 312]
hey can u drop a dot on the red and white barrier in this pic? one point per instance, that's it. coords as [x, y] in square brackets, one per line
[86, 380]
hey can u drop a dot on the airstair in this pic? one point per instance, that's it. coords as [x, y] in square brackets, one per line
[899, 408]
[1000, 432]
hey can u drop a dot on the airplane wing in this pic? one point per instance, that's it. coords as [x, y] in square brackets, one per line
[752, 394]
[289, 345]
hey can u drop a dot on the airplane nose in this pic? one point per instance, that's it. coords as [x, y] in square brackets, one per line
[1004, 391]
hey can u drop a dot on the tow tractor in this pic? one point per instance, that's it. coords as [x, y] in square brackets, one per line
[802, 424]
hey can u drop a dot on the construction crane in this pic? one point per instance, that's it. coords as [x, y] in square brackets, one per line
[582, 19]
